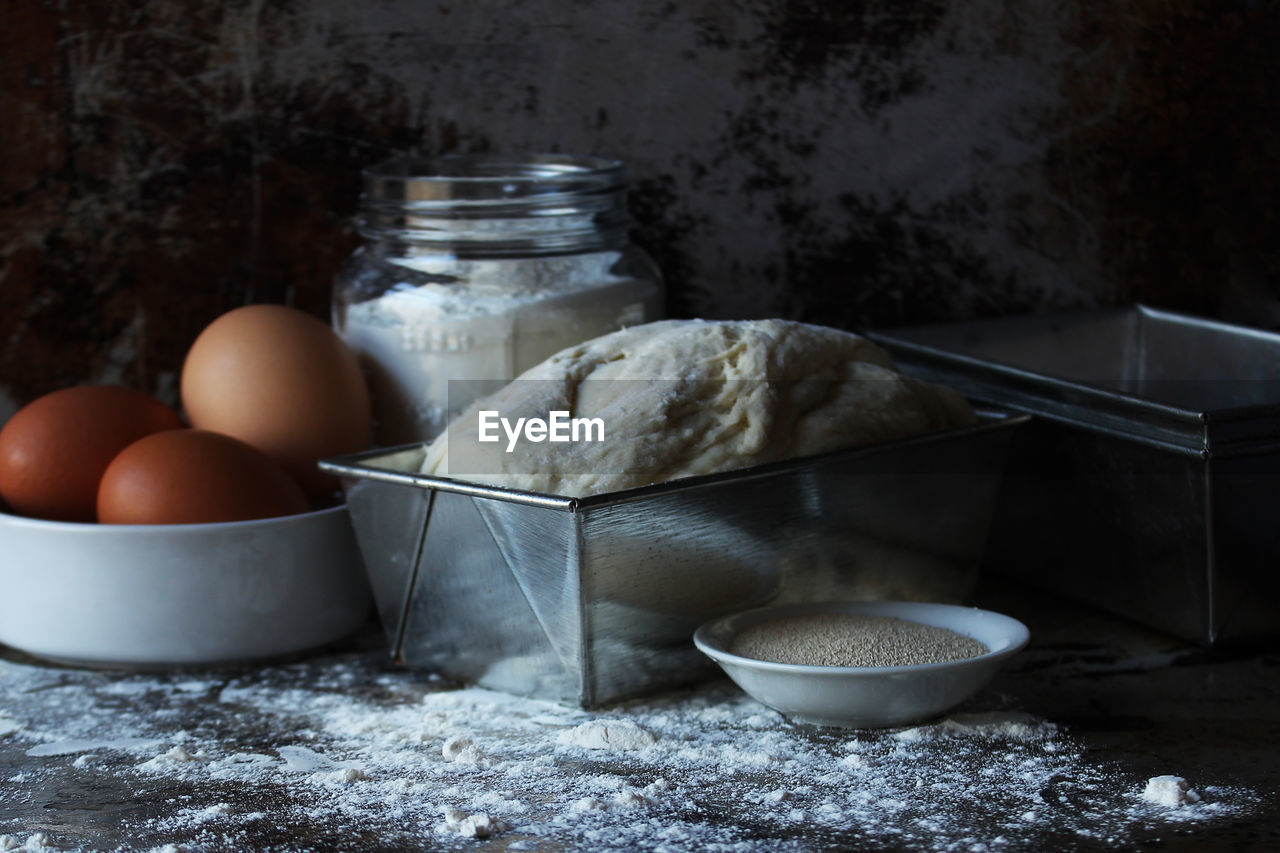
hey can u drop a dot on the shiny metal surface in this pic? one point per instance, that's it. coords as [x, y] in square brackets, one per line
[1149, 481]
[594, 599]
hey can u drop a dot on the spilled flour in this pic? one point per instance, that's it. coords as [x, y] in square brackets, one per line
[344, 754]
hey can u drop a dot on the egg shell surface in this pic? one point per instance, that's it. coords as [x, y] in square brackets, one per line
[192, 476]
[283, 381]
[55, 449]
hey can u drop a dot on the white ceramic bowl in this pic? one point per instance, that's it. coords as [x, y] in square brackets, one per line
[160, 595]
[866, 697]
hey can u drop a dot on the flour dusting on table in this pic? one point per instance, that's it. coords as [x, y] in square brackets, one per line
[347, 754]
[1170, 791]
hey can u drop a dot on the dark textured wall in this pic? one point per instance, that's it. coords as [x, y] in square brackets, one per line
[844, 161]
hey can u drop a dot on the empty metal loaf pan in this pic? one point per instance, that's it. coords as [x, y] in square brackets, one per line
[1149, 482]
[593, 599]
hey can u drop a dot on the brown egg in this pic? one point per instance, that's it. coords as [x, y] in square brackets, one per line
[283, 381]
[193, 476]
[54, 450]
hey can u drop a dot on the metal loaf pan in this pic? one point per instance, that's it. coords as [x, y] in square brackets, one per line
[1149, 482]
[593, 599]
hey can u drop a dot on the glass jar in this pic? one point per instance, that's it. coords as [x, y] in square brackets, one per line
[479, 266]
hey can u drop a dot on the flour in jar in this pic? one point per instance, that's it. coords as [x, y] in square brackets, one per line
[482, 320]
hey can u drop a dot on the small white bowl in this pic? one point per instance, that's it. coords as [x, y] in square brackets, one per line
[161, 595]
[873, 696]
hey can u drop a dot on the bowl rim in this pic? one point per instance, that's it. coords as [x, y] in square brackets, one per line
[10, 519]
[705, 637]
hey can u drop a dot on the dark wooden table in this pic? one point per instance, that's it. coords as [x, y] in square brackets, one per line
[1138, 703]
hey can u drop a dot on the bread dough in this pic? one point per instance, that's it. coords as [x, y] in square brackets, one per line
[680, 398]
